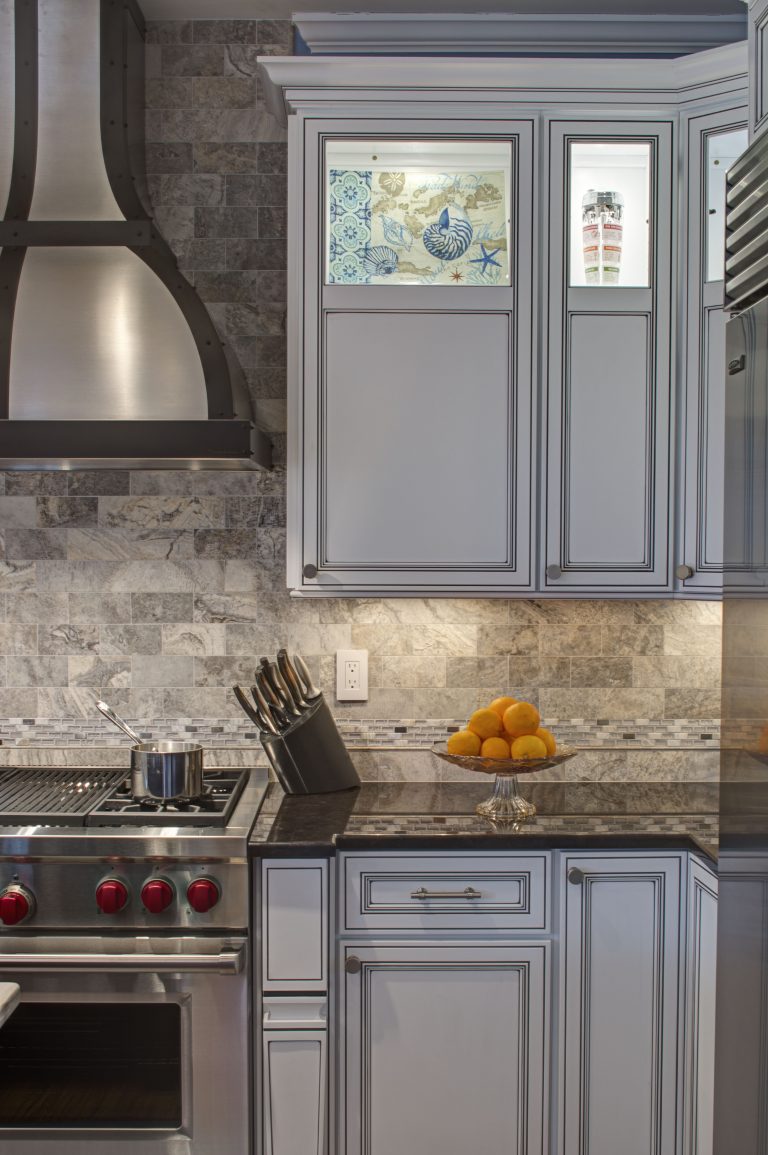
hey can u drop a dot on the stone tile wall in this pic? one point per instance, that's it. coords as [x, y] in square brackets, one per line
[158, 590]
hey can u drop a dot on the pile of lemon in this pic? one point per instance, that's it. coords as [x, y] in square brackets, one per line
[507, 728]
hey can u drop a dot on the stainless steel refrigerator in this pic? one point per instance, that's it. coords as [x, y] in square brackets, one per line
[741, 1036]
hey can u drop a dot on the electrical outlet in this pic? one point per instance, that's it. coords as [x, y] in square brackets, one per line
[352, 675]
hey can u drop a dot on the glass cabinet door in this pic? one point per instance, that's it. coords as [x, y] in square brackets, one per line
[417, 212]
[723, 148]
[609, 209]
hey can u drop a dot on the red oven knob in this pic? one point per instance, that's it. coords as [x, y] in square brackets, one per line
[157, 895]
[111, 896]
[16, 905]
[203, 894]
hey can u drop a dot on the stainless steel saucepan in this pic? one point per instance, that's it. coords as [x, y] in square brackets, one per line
[161, 768]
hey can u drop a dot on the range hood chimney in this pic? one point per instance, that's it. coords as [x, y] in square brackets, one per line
[107, 354]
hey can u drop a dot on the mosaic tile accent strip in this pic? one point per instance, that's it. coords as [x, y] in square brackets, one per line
[361, 733]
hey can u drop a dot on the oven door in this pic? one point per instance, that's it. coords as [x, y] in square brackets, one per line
[133, 1044]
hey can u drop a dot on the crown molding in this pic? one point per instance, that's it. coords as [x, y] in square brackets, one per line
[394, 34]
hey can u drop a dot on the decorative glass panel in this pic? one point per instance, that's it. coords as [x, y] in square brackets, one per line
[610, 212]
[418, 212]
[723, 148]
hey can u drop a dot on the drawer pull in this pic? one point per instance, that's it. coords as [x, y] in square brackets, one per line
[422, 893]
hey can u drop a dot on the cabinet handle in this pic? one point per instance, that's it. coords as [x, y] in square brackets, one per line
[310, 571]
[352, 965]
[554, 572]
[468, 892]
[684, 572]
[737, 365]
[576, 876]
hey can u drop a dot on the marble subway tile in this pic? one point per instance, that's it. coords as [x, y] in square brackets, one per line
[210, 702]
[162, 670]
[407, 671]
[219, 125]
[227, 222]
[175, 223]
[685, 640]
[18, 703]
[101, 673]
[169, 576]
[618, 703]
[192, 60]
[23, 671]
[187, 189]
[127, 640]
[234, 607]
[224, 31]
[98, 482]
[161, 607]
[601, 672]
[196, 639]
[517, 638]
[170, 31]
[89, 607]
[66, 511]
[273, 222]
[692, 703]
[227, 91]
[161, 512]
[492, 671]
[35, 544]
[380, 639]
[169, 157]
[675, 671]
[18, 576]
[18, 512]
[67, 638]
[35, 484]
[129, 545]
[275, 37]
[218, 671]
[261, 190]
[226, 543]
[35, 607]
[18, 639]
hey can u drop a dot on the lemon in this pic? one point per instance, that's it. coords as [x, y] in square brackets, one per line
[528, 746]
[501, 704]
[485, 723]
[522, 718]
[463, 742]
[495, 748]
[548, 738]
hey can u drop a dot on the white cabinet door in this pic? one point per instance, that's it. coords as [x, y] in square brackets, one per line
[607, 476]
[444, 1049]
[715, 140]
[701, 967]
[758, 67]
[619, 1011]
[412, 428]
[294, 1092]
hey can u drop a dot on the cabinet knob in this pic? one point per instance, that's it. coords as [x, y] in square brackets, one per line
[352, 965]
[310, 571]
[575, 876]
[684, 572]
[737, 365]
[554, 572]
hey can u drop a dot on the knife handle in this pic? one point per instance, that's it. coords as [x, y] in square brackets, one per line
[290, 679]
[310, 689]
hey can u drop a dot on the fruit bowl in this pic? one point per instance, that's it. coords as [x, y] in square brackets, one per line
[505, 804]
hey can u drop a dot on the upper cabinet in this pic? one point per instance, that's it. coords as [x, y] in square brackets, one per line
[495, 384]
[758, 67]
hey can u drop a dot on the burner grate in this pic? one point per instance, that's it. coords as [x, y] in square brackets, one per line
[53, 797]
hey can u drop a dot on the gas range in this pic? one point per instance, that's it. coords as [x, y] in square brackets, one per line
[78, 853]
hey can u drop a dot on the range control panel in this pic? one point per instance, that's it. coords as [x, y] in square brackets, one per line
[121, 895]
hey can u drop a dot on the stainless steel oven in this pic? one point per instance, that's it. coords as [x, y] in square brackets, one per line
[125, 1045]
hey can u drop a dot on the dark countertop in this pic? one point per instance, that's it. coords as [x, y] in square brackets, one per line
[437, 816]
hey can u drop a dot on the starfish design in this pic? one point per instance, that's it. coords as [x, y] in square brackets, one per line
[486, 259]
[457, 276]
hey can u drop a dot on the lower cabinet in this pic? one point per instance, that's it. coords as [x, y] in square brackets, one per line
[620, 939]
[592, 1034]
[444, 1048]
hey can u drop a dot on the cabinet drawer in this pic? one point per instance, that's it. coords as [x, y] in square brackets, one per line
[445, 892]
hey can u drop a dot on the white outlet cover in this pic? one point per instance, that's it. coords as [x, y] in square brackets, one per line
[356, 692]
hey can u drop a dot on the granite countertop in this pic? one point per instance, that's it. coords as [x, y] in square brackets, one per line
[435, 815]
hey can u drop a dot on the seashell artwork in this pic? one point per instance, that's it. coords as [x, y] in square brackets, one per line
[380, 261]
[449, 237]
[392, 182]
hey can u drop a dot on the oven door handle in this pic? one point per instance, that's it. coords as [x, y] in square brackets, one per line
[227, 962]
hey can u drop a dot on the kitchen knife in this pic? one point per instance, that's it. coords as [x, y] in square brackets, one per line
[268, 708]
[284, 696]
[291, 679]
[262, 720]
[310, 689]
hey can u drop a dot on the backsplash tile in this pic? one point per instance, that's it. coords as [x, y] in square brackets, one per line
[158, 589]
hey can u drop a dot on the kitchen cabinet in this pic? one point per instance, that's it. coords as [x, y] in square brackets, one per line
[499, 1001]
[758, 67]
[714, 141]
[608, 396]
[699, 1029]
[505, 421]
[619, 1003]
[444, 1048]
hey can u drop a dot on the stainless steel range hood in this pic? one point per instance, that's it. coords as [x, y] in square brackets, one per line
[107, 354]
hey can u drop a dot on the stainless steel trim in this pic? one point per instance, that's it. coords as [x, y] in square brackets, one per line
[469, 892]
[227, 962]
[746, 266]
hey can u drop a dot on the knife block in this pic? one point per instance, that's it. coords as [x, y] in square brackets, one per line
[310, 756]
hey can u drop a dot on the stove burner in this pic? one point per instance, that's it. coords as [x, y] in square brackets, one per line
[221, 790]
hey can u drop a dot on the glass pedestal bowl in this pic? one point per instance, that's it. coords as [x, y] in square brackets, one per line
[505, 804]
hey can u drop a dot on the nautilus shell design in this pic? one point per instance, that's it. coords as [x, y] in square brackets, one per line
[380, 260]
[392, 182]
[449, 237]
